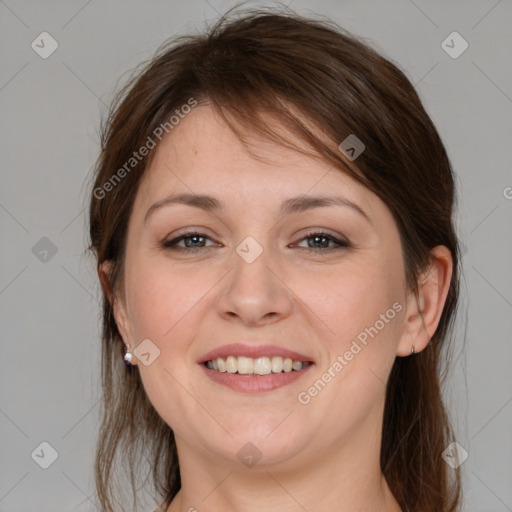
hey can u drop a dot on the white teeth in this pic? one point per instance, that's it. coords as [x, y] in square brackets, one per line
[258, 366]
[277, 364]
[231, 364]
[262, 366]
[296, 365]
[245, 365]
[221, 364]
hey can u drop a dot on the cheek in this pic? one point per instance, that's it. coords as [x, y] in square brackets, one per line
[168, 305]
[353, 297]
[362, 303]
[158, 297]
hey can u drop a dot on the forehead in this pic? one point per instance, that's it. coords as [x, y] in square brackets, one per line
[202, 154]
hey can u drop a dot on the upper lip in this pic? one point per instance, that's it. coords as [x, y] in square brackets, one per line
[253, 351]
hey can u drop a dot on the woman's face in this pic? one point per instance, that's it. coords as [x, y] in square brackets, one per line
[256, 274]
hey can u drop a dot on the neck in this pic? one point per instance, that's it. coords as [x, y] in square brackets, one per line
[342, 478]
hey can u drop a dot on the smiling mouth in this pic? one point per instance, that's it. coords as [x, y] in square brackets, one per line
[261, 366]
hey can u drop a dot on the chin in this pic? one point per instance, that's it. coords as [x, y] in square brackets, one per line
[260, 444]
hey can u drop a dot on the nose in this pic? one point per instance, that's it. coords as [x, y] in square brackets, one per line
[255, 293]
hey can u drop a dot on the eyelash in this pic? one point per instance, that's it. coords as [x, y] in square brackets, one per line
[341, 244]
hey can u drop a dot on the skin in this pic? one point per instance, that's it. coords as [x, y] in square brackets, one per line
[320, 456]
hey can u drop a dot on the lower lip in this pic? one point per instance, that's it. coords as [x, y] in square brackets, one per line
[253, 384]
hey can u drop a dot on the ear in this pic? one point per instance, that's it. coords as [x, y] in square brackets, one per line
[424, 308]
[118, 306]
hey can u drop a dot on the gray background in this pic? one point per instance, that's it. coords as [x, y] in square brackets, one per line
[49, 309]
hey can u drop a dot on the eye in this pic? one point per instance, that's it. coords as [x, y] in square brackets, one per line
[322, 240]
[193, 240]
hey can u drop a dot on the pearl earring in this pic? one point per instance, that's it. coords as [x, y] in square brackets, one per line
[127, 356]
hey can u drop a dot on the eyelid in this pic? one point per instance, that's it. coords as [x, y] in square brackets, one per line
[190, 231]
[172, 241]
[325, 232]
[341, 242]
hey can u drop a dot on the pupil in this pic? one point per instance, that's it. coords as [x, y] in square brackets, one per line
[195, 238]
[316, 238]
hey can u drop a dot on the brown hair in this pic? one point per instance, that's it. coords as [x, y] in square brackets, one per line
[323, 84]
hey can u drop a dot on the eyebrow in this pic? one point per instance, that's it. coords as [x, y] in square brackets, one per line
[293, 205]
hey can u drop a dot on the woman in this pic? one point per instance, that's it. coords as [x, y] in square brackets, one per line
[272, 221]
